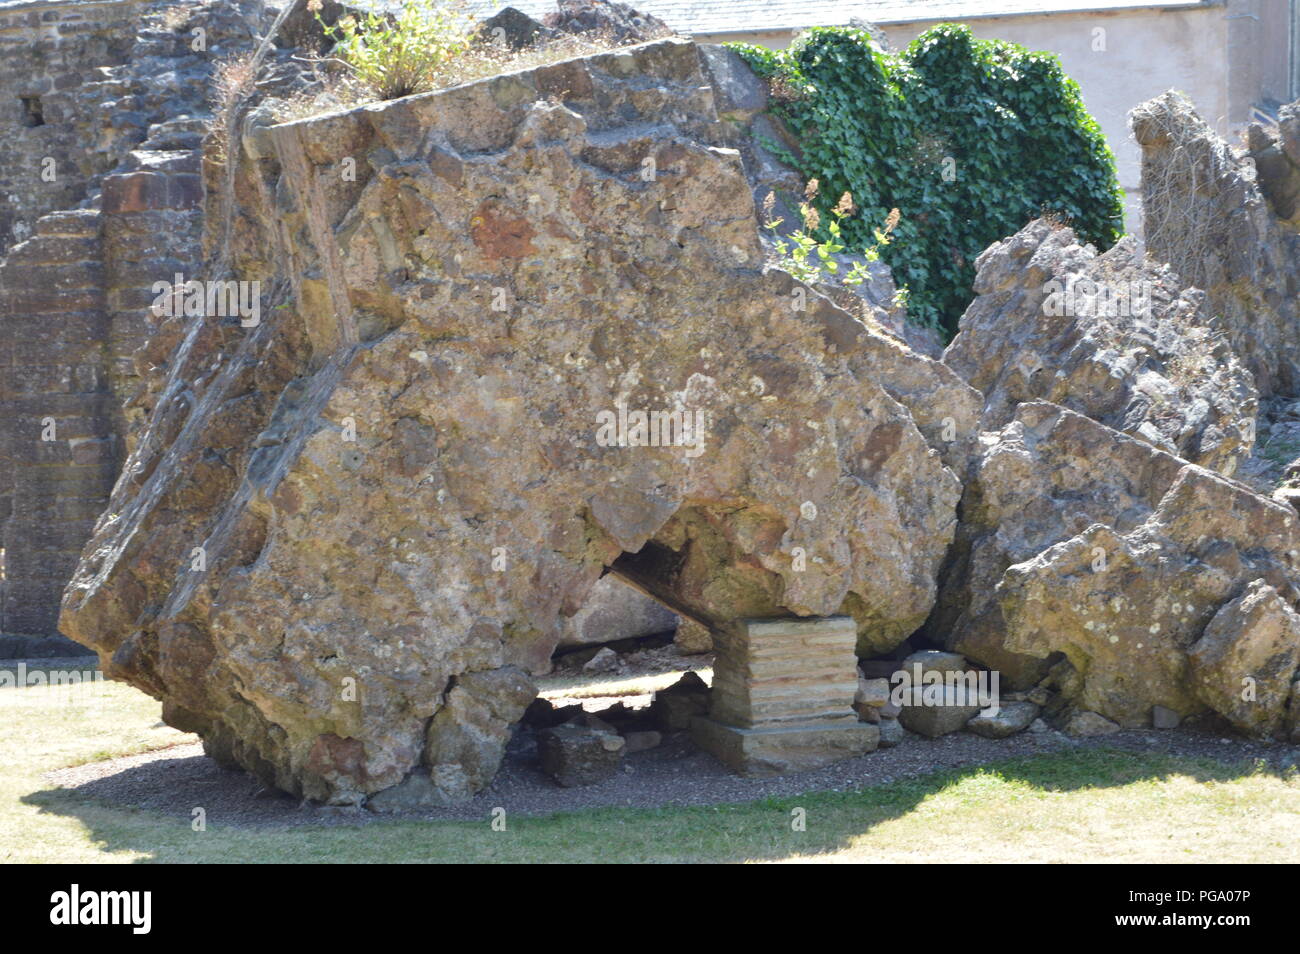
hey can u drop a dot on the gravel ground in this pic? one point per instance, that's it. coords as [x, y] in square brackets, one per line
[172, 781]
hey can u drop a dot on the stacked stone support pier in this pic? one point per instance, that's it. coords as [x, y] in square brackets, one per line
[783, 696]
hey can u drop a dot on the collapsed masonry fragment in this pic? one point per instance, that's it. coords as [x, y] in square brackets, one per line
[370, 563]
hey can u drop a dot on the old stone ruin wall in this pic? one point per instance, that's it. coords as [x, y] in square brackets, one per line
[53, 58]
[100, 165]
[473, 430]
[54, 350]
[400, 497]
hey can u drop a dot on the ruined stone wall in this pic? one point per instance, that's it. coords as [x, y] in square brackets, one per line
[397, 487]
[57, 454]
[74, 308]
[57, 458]
[52, 85]
[66, 283]
[100, 166]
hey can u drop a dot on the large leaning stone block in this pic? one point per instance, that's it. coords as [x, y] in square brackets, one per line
[422, 460]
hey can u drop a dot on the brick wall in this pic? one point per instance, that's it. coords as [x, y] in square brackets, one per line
[116, 93]
[53, 57]
[58, 454]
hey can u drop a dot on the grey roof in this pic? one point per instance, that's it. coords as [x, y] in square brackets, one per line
[755, 16]
[911, 11]
[697, 17]
[724, 16]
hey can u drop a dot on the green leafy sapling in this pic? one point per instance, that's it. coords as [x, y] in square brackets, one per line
[806, 257]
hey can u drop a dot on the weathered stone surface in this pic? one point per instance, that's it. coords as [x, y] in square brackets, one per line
[1089, 724]
[692, 638]
[1162, 718]
[1126, 597]
[674, 708]
[468, 735]
[616, 22]
[944, 408]
[1037, 483]
[123, 99]
[782, 750]
[872, 692]
[1277, 161]
[1205, 214]
[543, 714]
[605, 660]
[932, 660]
[616, 611]
[514, 30]
[1243, 664]
[950, 712]
[1112, 336]
[892, 733]
[357, 465]
[784, 671]
[933, 721]
[48, 69]
[739, 94]
[1080, 541]
[576, 755]
[414, 793]
[641, 740]
[782, 692]
[1011, 717]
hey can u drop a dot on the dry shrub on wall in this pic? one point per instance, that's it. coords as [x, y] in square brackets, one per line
[233, 81]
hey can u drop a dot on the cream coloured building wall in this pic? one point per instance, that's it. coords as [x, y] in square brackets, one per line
[1120, 60]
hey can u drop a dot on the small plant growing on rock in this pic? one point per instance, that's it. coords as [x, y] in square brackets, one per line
[395, 55]
[806, 257]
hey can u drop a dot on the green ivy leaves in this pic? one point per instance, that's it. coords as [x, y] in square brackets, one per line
[969, 138]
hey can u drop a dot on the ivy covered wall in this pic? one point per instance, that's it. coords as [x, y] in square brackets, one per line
[969, 139]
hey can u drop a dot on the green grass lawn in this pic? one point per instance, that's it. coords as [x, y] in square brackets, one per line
[1079, 805]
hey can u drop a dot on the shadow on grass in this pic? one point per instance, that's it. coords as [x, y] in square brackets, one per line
[759, 830]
